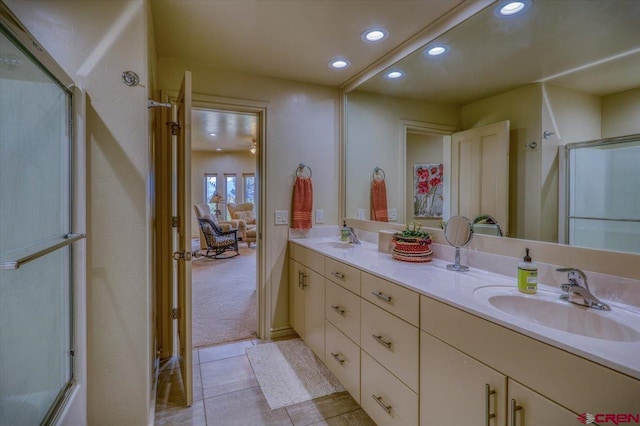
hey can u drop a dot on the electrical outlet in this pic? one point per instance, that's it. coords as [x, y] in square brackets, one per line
[393, 214]
[360, 214]
[282, 217]
[319, 216]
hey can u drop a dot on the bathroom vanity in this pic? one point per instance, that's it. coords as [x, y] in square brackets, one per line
[418, 344]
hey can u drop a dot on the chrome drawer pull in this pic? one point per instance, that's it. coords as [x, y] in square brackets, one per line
[487, 404]
[383, 342]
[382, 296]
[338, 310]
[378, 399]
[514, 408]
[337, 358]
[338, 274]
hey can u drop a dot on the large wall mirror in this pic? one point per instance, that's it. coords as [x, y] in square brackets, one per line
[494, 125]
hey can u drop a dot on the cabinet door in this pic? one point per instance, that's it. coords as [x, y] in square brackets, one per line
[314, 311]
[296, 297]
[532, 409]
[457, 389]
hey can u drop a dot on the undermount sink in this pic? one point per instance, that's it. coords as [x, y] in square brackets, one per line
[337, 244]
[545, 308]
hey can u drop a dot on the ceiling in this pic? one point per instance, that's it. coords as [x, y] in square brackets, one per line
[585, 45]
[287, 39]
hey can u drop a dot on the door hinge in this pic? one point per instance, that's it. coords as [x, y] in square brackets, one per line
[175, 127]
[175, 313]
[175, 221]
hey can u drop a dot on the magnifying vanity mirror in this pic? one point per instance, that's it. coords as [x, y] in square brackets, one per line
[496, 117]
[458, 233]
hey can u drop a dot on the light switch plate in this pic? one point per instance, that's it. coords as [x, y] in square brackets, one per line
[361, 214]
[393, 214]
[319, 216]
[282, 217]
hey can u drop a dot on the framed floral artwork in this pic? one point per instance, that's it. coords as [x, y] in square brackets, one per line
[427, 190]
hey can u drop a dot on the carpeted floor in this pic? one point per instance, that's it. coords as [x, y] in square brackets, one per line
[224, 298]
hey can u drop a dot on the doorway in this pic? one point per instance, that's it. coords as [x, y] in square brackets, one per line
[224, 164]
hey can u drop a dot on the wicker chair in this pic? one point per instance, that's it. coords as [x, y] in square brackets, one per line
[218, 241]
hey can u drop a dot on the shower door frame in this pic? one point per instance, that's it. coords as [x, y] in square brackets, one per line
[564, 183]
[71, 404]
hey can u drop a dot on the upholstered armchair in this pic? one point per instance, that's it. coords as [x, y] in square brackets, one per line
[203, 211]
[244, 212]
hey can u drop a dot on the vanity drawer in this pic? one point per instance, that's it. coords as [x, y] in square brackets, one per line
[308, 258]
[343, 359]
[391, 297]
[343, 310]
[345, 275]
[393, 342]
[385, 398]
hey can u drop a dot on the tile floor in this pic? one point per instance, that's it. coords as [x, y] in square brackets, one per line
[226, 392]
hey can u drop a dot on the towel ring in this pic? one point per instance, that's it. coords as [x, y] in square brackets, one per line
[300, 172]
[378, 174]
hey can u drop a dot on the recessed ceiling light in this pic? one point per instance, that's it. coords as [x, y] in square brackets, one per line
[218, 149]
[212, 134]
[510, 8]
[394, 74]
[374, 35]
[435, 50]
[339, 63]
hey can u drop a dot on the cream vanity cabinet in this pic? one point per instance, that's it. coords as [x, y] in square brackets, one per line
[306, 297]
[389, 339]
[342, 328]
[474, 372]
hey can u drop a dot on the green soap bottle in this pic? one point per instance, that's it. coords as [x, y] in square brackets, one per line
[344, 231]
[527, 275]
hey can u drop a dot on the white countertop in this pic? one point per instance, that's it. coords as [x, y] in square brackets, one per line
[432, 279]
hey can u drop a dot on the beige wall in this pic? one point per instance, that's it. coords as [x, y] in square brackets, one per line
[95, 42]
[374, 138]
[213, 162]
[573, 117]
[302, 127]
[621, 114]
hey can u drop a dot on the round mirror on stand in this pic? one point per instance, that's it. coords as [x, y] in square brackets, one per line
[458, 233]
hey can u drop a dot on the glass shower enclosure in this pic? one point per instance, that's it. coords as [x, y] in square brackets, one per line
[36, 251]
[603, 194]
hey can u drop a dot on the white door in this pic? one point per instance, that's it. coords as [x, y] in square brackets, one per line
[182, 236]
[480, 173]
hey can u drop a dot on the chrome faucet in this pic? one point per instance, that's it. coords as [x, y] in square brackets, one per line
[577, 290]
[353, 238]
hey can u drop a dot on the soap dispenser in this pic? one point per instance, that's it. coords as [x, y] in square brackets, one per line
[527, 275]
[344, 231]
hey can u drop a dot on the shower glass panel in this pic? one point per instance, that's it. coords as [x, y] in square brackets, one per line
[604, 194]
[36, 355]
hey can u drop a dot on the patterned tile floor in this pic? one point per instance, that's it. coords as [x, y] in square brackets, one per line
[226, 393]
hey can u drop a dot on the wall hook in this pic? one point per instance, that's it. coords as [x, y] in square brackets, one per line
[531, 145]
[547, 134]
[130, 78]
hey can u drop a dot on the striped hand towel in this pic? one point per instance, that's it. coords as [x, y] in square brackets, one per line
[302, 203]
[379, 201]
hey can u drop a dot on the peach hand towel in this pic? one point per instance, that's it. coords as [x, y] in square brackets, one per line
[302, 203]
[379, 201]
